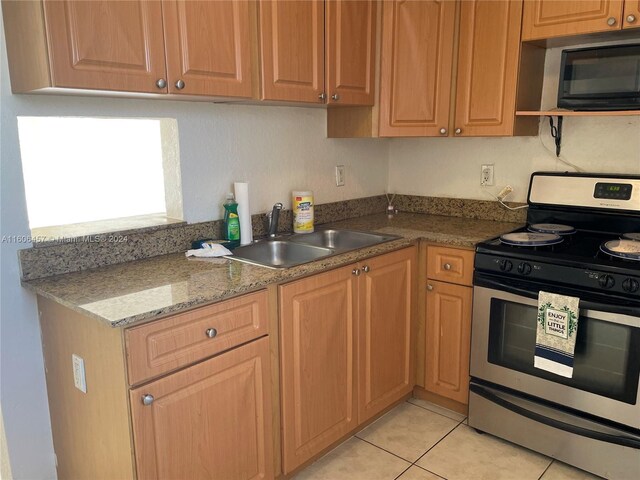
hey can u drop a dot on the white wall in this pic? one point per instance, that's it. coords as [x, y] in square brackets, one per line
[276, 149]
[450, 167]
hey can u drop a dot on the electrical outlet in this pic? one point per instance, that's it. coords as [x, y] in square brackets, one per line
[486, 175]
[79, 379]
[339, 175]
[504, 192]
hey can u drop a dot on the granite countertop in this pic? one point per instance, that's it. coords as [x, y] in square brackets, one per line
[141, 290]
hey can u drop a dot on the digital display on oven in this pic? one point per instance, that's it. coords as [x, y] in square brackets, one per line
[613, 191]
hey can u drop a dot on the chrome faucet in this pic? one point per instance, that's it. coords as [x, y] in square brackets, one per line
[273, 216]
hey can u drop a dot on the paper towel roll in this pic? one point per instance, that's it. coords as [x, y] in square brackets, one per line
[242, 197]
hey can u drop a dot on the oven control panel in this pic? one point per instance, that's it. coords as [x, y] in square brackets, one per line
[573, 277]
[613, 191]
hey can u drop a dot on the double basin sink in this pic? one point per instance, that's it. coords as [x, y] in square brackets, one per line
[306, 247]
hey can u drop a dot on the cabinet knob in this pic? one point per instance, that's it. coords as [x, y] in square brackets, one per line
[429, 287]
[211, 332]
[147, 399]
[161, 83]
[180, 84]
[447, 266]
[631, 19]
[458, 131]
[356, 272]
[443, 131]
[611, 21]
[366, 269]
[322, 96]
[335, 97]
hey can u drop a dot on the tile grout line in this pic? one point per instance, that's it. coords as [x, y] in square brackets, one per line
[548, 467]
[384, 450]
[437, 413]
[433, 446]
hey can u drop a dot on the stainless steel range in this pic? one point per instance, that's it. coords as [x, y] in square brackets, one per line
[582, 240]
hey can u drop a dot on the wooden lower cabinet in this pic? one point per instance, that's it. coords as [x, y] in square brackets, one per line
[345, 344]
[318, 346]
[448, 329]
[385, 354]
[211, 420]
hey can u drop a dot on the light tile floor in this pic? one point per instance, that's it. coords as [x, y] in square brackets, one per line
[421, 441]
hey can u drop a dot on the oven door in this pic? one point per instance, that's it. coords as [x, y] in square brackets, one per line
[606, 358]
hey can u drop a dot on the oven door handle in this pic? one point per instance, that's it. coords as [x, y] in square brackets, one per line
[552, 422]
[584, 304]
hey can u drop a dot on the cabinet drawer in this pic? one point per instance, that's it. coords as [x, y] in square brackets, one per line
[451, 265]
[174, 342]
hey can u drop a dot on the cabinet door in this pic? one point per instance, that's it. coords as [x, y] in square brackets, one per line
[385, 356]
[351, 48]
[292, 47]
[488, 60]
[448, 329]
[317, 363]
[106, 45]
[631, 16]
[557, 18]
[208, 47]
[211, 420]
[415, 78]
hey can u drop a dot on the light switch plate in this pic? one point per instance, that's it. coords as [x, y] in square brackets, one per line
[339, 175]
[79, 378]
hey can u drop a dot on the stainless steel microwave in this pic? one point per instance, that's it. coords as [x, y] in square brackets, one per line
[600, 78]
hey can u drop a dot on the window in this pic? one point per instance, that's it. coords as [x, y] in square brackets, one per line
[80, 170]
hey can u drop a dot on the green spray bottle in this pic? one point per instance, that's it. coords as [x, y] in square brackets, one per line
[231, 220]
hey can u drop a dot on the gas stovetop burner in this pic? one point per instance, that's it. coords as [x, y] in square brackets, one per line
[625, 249]
[530, 239]
[631, 236]
[556, 228]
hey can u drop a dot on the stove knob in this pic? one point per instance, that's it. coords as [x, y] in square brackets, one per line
[606, 281]
[524, 268]
[506, 265]
[630, 285]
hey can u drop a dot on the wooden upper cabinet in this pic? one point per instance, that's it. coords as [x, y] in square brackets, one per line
[351, 48]
[209, 47]
[416, 69]
[211, 420]
[318, 318]
[106, 45]
[292, 50]
[557, 18]
[387, 299]
[631, 15]
[488, 58]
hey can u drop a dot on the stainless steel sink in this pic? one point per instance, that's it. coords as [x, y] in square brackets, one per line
[279, 253]
[341, 240]
[306, 247]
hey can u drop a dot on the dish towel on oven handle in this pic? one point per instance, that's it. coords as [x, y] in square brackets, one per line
[557, 328]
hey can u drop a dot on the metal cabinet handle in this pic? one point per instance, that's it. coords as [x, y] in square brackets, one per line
[443, 131]
[147, 399]
[211, 332]
[161, 83]
[447, 266]
[366, 269]
[356, 272]
[611, 21]
[322, 96]
[429, 287]
[458, 131]
[180, 84]
[335, 97]
[631, 19]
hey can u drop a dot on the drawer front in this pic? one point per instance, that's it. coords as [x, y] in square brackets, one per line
[174, 342]
[451, 265]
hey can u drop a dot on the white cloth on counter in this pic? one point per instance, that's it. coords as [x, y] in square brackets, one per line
[557, 328]
[209, 250]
